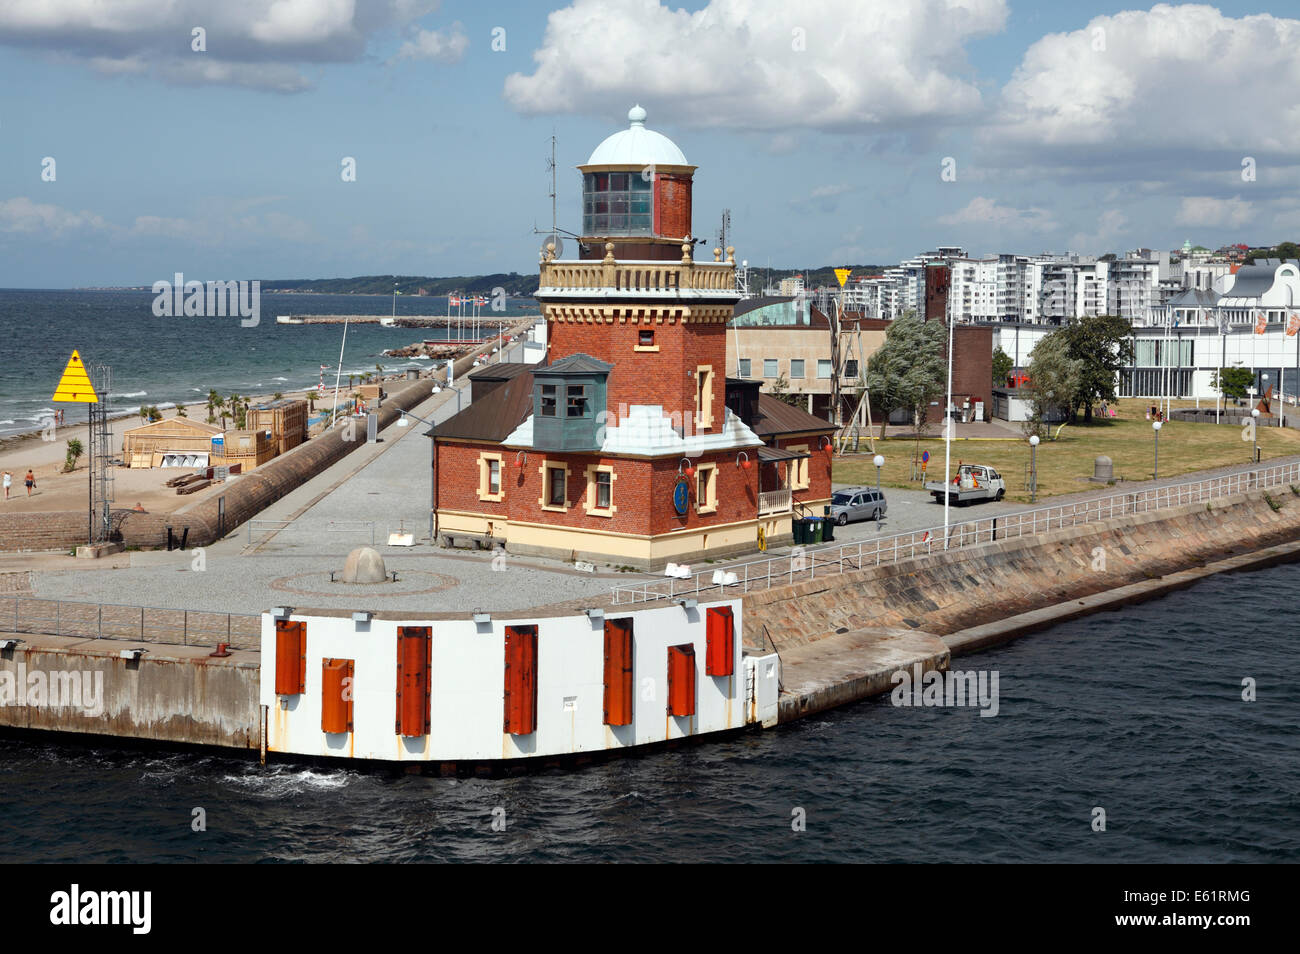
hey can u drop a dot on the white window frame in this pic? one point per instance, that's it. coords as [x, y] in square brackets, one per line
[590, 504]
[484, 475]
[543, 500]
[710, 505]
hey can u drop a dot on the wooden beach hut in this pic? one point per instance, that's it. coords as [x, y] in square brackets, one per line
[285, 420]
[172, 442]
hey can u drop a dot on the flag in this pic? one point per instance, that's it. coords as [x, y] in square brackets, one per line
[1292, 324]
[1261, 323]
[480, 301]
[453, 300]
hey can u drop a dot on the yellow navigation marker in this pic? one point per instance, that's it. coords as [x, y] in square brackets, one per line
[843, 275]
[75, 386]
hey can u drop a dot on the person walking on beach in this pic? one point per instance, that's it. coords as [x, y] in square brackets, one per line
[8, 480]
[30, 480]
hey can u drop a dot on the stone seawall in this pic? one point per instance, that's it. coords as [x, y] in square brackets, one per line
[944, 593]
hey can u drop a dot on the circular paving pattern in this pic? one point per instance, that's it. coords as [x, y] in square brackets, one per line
[409, 583]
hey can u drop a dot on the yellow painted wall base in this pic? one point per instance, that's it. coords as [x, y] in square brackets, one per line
[619, 549]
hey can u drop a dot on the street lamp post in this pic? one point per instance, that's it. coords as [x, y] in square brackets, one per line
[433, 450]
[1033, 468]
[394, 299]
[1155, 426]
[879, 461]
[1254, 433]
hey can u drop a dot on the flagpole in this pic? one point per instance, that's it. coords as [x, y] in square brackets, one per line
[947, 437]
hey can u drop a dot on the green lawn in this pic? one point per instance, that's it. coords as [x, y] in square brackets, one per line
[1065, 463]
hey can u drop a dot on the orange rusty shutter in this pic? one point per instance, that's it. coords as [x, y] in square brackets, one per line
[290, 657]
[414, 658]
[521, 680]
[681, 680]
[720, 659]
[618, 671]
[336, 695]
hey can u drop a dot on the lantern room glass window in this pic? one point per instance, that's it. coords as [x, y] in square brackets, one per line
[616, 203]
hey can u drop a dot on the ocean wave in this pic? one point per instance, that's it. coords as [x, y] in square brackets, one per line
[128, 394]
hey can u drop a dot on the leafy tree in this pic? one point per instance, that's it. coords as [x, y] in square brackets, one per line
[909, 370]
[1054, 379]
[1283, 250]
[781, 391]
[1235, 381]
[75, 450]
[1002, 367]
[1102, 345]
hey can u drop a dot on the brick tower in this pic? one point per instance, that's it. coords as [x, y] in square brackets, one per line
[621, 448]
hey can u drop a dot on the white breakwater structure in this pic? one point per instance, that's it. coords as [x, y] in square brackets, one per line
[483, 689]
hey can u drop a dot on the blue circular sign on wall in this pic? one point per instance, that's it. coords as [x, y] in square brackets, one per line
[681, 497]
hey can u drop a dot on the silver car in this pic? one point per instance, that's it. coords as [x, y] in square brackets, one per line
[857, 503]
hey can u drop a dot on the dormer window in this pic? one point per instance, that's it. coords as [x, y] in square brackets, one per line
[576, 383]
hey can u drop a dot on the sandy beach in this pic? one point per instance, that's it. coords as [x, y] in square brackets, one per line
[56, 490]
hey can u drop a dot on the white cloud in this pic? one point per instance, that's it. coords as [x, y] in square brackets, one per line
[443, 46]
[1171, 78]
[21, 214]
[252, 43]
[864, 64]
[1110, 225]
[988, 213]
[825, 197]
[1209, 211]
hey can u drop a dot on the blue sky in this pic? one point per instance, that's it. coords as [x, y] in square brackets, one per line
[823, 126]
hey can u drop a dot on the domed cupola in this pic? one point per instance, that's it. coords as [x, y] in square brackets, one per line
[636, 193]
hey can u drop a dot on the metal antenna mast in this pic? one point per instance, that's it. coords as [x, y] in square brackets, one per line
[552, 167]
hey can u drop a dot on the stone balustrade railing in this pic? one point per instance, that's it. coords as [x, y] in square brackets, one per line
[639, 276]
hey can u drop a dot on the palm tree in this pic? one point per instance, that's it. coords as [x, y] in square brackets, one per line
[75, 450]
[223, 407]
[312, 398]
[214, 401]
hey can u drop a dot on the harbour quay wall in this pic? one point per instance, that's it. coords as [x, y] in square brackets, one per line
[946, 593]
[178, 694]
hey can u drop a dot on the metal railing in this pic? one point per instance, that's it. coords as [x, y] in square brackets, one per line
[774, 501]
[147, 624]
[807, 563]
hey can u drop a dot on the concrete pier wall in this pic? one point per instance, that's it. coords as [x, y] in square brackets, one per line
[839, 639]
[947, 592]
[170, 694]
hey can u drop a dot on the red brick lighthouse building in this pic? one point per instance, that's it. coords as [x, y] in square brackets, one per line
[629, 445]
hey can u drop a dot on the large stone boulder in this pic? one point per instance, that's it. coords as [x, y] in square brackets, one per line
[364, 565]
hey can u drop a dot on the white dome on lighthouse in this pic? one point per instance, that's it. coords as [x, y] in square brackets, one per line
[637, 145]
